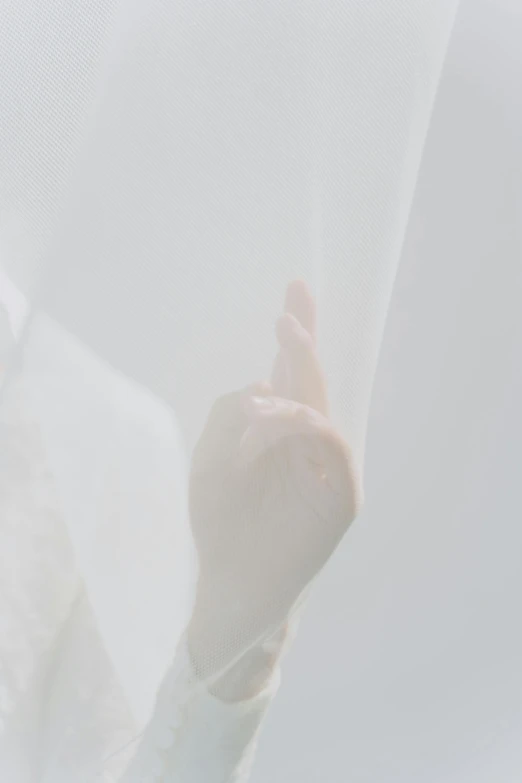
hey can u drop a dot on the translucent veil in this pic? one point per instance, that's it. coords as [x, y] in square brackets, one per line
[166, 167]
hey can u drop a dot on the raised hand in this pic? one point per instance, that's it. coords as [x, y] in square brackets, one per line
[272, 492]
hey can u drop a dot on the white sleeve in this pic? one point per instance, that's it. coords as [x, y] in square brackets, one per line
[196, 737]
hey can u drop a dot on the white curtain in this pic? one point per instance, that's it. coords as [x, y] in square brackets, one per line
[166, 167]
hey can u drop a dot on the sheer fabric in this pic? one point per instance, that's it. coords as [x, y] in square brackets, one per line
[168, 168]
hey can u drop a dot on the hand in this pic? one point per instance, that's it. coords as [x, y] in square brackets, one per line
[272, 492]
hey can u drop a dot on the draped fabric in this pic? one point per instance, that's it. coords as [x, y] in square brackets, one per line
[192, 157]
[165, 169]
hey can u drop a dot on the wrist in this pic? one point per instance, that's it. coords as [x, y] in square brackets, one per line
[248, 676]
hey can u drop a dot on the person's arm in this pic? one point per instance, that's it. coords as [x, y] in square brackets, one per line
[272, 492]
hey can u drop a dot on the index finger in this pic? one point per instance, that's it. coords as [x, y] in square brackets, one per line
[300, 303]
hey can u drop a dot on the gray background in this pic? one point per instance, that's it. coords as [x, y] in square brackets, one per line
[408, 663]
